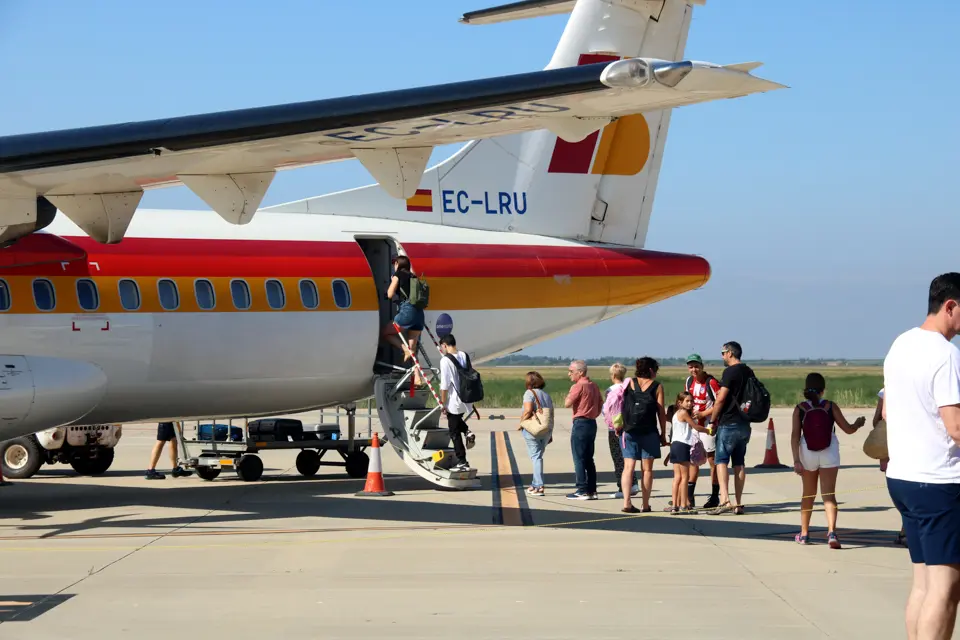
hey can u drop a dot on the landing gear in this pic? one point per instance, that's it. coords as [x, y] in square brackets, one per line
[356, 464]
[250, 468]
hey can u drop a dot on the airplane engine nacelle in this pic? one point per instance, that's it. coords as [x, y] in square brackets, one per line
[38, 393]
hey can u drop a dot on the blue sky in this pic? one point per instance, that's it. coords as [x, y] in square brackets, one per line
[824, 209]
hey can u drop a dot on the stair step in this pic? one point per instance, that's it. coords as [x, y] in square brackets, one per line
[425, 418]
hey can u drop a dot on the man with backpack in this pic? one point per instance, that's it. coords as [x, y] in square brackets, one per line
[742, 399]
[460, 387]
[704, 388]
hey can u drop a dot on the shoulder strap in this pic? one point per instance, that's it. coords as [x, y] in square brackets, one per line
[452, 359]
[688, 385]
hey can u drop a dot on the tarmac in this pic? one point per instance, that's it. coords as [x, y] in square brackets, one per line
[95, 557]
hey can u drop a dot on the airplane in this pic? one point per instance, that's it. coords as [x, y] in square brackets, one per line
[534, 228]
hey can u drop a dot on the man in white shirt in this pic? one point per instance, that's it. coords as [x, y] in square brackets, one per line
[921, 404]
[452, 407]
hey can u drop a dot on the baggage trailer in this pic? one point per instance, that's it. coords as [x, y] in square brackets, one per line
[239, 447]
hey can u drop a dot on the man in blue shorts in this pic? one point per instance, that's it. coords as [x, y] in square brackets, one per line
[733, 429]
[165, 433]
[921, 404]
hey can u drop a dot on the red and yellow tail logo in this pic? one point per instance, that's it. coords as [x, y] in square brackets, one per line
[623, 149]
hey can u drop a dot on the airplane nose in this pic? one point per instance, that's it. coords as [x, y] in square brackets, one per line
[638, 277]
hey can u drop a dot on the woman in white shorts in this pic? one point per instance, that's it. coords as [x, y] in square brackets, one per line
[816, 454]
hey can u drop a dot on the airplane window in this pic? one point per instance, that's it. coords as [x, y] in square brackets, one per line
[4, 296]
[129, 295]
[241, 294]
[206, 299]
[87, 295]
[341, 294]
[275, 296]
[169, 296]
[44, 295]
[309, 295]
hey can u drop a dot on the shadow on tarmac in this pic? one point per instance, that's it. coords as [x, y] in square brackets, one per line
[223, 506]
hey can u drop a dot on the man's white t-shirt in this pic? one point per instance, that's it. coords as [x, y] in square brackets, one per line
[450, 381]
[921, 373]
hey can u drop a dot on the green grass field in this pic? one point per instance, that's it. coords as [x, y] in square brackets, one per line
[847, 386]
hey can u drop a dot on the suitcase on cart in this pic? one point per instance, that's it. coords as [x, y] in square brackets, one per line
[276, 430]
[220, 432]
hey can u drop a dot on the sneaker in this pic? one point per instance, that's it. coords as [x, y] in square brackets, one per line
[180, 472]
[801, 539]
[833, 541]
[153, 474]
[578, 495]
[471, 440]
[617, 496]
[634, 490]
[463, 466]
[712, 503]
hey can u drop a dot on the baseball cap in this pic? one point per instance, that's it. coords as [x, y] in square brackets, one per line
[694, 357]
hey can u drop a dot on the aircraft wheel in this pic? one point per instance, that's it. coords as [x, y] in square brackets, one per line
[21, 457]
[308, 463]
[356, 464]
[250, 468]
[208, 473]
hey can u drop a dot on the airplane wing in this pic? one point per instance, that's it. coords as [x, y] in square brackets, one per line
[96, 175]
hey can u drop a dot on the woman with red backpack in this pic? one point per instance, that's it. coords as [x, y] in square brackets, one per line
[816, 454]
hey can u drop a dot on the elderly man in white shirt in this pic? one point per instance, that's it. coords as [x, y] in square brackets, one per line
[921, 404]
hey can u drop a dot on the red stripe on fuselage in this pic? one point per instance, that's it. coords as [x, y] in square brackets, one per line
[178, 257]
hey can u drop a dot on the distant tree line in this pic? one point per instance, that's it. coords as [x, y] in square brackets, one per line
[518, 360]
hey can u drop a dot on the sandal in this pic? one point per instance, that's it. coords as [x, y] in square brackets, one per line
[646, 509]
[630, 509]
[738, 510]
[726, 506]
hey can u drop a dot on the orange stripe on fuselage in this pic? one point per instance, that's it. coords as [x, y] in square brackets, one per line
[461, 276]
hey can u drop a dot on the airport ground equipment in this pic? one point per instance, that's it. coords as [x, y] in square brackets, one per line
[216, 446]
[414, 430]
[88, 449]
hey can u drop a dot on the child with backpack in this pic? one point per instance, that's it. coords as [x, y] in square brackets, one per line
[816, 454]
[686, 451]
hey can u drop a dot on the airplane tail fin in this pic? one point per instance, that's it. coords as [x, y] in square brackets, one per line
[554, 181]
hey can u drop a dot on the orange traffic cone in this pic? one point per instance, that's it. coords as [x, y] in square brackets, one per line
[374, 485]
[770, 458]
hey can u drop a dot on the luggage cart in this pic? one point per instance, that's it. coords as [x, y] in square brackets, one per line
[211, 456]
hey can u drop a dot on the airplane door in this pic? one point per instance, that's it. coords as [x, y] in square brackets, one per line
[380, 252]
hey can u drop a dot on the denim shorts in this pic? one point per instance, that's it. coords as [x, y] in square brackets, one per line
[640, 447]
[931, 519]
[409, 317]
[732, 442]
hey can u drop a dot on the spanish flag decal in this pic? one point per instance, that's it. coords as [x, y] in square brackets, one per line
[421, 201]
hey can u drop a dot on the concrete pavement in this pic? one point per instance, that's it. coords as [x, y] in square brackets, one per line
[117, 554]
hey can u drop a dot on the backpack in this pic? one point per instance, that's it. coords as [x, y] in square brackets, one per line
[816, 425]
[640, 409]
[689, 387]
[613, 407]
[419, 292]
[469, 385]
[754, 400]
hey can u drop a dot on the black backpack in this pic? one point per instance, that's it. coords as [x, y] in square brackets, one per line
[640, 409]
[754, 400]
[469, 385]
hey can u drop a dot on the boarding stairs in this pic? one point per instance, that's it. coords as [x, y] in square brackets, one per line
[412, 428]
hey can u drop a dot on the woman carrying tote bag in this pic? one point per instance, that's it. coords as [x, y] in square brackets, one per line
[536, 424]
